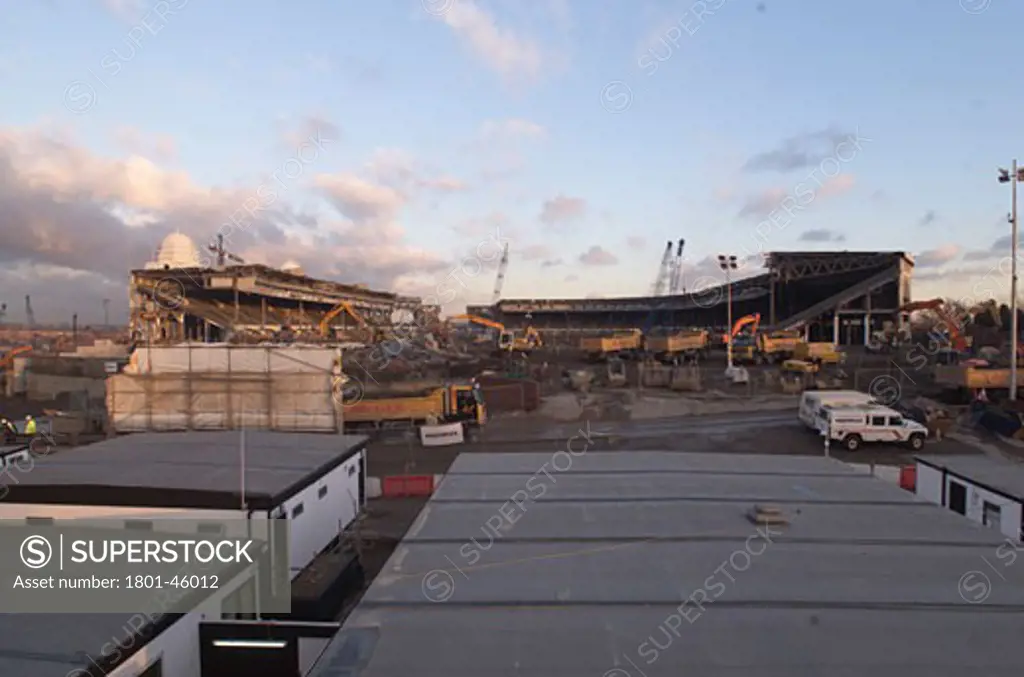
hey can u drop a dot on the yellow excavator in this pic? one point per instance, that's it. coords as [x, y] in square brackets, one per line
[508, 341]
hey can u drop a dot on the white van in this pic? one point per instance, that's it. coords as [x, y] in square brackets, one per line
[854, 425]
[813, 401]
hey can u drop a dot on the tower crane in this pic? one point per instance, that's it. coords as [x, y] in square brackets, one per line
[664, 272]
[30, 316]
[223, 255]
[678, 286]
[499, 282]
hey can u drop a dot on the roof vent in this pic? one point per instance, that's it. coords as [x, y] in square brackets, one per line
[767, 515]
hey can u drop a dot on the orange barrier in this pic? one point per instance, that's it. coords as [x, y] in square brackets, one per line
[908, 477]
[398, 486]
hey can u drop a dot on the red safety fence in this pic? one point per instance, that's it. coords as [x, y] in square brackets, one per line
[908, 477]
[399, 486]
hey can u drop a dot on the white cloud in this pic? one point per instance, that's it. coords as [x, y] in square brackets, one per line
[562, 209]
[938, 256]
[598, 256]
[502, 50]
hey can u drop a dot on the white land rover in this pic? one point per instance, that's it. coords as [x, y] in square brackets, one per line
[853, 425]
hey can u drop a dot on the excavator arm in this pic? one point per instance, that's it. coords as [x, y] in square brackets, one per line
[343, 307]
[483, 321]
[8, 358]
[754, 320]
[938, 306]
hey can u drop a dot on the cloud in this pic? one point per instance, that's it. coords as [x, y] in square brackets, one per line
[821, 235]
[978, 255]
[761, 205]
[400, 170]
[598, 256]
[500, 49]
[359, 199]
[572, 277]
[159, 147]
[798, 152]
[636, 242]
[72, 224]
[551, 263]
[562, 209]
[1003, 245]
[936, 257]
[310, 126]
[928, 218]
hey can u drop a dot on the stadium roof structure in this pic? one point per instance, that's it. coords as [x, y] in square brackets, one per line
[646, 564]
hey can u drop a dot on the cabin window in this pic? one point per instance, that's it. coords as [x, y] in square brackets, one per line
[896, 420]
[139, 525]
[878, 420]
[323, 491]
[297, 510]
[39, 521]
[210, 528]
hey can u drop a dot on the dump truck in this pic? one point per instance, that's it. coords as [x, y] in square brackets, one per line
[603, 347]
[779, 346]
[966, 377]
[408, 405]
[819, 353]
[685, 343]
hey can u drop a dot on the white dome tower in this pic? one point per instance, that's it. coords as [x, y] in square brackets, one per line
[292, 266]
[176, 251]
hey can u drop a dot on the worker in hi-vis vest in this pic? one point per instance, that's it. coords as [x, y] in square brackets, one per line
[30, 425]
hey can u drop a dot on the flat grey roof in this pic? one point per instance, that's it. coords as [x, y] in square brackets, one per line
[53, 645]
[1005, 477]
[646, 565]
[183, 469]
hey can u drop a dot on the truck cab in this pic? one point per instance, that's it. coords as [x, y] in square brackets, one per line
[466, 404]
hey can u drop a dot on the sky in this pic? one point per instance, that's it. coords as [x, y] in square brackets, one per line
[402, 143]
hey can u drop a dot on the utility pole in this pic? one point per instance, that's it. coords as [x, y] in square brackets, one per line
[728, 263]
[1013, 177]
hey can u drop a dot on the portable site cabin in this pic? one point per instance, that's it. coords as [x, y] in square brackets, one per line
[981, 488]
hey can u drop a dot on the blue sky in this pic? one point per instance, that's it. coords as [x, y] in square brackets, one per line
[477, 114]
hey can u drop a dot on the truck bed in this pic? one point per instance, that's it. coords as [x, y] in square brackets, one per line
[972, 377]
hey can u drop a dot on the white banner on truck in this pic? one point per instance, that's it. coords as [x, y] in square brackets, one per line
[441, 435]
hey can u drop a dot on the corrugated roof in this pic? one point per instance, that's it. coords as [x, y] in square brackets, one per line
[593, 576]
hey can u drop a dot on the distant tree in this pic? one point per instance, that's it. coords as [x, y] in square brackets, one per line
[1004, 315]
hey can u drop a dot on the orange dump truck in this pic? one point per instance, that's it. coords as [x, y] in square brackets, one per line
[379, 408]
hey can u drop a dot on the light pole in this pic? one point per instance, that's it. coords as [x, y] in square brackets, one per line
[1012, 176]
[728, 263]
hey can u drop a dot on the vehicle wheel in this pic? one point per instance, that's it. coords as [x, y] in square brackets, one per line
[916, 441]
[852, 442]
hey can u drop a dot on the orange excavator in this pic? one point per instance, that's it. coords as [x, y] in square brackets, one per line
[507, 339]
[8, 359]
[753, 320]
[344, 307]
